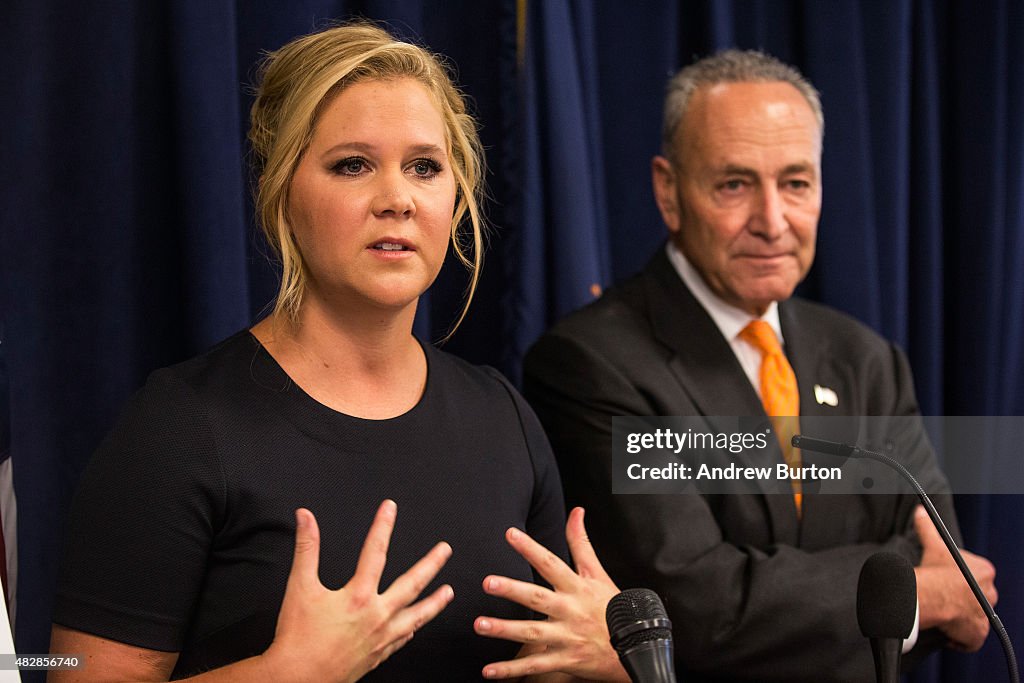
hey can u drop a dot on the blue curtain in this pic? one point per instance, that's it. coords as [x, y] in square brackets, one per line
[126, 237]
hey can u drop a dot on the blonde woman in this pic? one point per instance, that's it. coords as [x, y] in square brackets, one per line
[220, 532]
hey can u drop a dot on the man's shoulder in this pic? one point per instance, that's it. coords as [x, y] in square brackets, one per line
[845, 335]
[612, 340]
[618, 316]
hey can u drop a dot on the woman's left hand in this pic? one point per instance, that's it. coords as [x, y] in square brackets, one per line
[574, 638]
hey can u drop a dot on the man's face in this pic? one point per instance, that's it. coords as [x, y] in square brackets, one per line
[742, 194]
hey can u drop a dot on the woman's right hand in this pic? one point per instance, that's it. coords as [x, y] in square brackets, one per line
[322, 635]
[340, 635]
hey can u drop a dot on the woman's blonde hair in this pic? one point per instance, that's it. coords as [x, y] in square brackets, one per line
[298, 81]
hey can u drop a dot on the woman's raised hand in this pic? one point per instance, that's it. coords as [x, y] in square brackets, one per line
[574, 638]
[340, 635]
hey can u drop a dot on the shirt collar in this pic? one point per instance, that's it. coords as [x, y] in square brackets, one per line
[729, 319]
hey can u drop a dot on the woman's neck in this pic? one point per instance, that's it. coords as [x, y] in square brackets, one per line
[366, 364]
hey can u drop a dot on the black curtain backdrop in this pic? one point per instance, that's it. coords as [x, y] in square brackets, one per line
[126, 239]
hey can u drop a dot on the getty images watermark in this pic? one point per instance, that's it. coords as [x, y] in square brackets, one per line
[741, 454]
[706, 443]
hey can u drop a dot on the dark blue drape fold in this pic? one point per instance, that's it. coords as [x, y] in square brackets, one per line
[127, 241]
[562, 261]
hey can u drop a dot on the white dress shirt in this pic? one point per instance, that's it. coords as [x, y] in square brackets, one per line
[729, 319]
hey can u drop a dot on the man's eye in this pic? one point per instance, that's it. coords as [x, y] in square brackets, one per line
[732, 185]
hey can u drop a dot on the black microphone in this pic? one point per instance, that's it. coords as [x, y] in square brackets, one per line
[845, 450]
[642, 635]
[886, 607]
[821, 446]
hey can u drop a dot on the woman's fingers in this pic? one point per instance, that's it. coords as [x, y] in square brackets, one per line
[395, 646]
[541, 662]
[413, 617]
[306, 560]
[405, 618]
[537, 598]
[409, 585]
[549, 565]
[354, 625]
[574, 638]
[374, 555]
[583, 555]
[530, 631]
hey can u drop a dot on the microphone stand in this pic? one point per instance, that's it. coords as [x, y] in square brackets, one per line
[845, 450]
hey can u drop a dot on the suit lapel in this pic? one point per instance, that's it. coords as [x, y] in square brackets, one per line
[820, 377]
[818, 374]
[702, 359]
[706, 367]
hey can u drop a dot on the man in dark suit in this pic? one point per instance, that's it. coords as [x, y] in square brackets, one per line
[759, 587]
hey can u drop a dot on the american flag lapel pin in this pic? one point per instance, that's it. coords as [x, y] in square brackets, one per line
[825, 396]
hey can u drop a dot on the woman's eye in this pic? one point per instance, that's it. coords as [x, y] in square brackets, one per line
[350, 166]
[425, 168]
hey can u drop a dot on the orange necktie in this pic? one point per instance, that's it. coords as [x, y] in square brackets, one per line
[779, 393]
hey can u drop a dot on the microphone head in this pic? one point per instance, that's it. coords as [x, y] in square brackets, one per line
[807, 443]
[886, 596]
[636, 616]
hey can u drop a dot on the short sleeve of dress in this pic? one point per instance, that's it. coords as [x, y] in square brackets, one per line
[142, 522]
[546, 523]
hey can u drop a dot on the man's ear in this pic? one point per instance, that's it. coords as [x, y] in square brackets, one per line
[663, 180]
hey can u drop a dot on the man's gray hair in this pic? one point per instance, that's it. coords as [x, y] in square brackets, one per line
[729, 66]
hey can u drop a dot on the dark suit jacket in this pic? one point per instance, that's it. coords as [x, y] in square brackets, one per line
[753, 591]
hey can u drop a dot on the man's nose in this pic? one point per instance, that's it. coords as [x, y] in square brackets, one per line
[769, 218]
